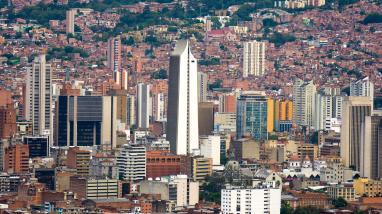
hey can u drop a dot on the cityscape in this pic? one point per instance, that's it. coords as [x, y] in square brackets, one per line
[191, 106]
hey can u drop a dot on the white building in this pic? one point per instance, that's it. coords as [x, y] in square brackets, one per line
[253, 58]
[143, 106]
[131, 162]
[38, 102]
[362, 87]
[158, 107]
[328, 106]
[304, 103]
[254, 200]
[182, 113]
[179, 189]
[210, 148]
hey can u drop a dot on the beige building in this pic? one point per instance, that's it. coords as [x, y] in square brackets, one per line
[345, 191]
[303, 103]
[253, 58]
[368, 187]
[354, 112]
[79, 160]
[246, 148]
[201, 168]
[101, 189]
[309, 150]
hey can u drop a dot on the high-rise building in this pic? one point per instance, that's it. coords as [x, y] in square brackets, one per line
[38, 100]
[251, 116]
[328, 105]
[143, 106]
[202, 86]
[131, 110]
[16, 159]
[86, 120]
[253, 58]
[182, 120]
[210, 148]
[252, 200]
[158, 107]
[114, 57]
[70, 14]
[362, 87]
[38, 145]
[227, 103]
[79, 160]
[354, 112]
[8, 126]
[371, 147]
[303, 103]
[271, 114]
[131, 162]
[206, 118]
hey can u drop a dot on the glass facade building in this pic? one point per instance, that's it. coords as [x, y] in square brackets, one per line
[252, 116]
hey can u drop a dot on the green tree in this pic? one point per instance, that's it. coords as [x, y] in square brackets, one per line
[161, 74]
[339, 203]
[285, 208]
[373, 18]
[215, 23]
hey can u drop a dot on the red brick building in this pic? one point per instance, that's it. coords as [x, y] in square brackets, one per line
[162, 163]
[16, 159]
[8, 125]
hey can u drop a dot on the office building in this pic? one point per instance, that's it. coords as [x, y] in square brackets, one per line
[362, 87]
[371, 147]
[86, 120]
[251, 116]
[143, 106]
[8, 126]
[246, 148]
[328, 103]
[202, 86]
[251, 200]
[38, 145]
[114, 60]
[354, 112]
[161, 163]
[227, 103]
[225, 122]
[79, 160]
[46, 176]
[306, 149]
[16, 159]
[101, 188]
[159, 107]
[210, 148]
[201, 167]
[38, 97]
[303, 103]
[103, 166]
[70, 15]
[131, 162]
[206, 118]
[131, 118]
[182, 114]
[345, 191]
[253, 58]
[179, 188]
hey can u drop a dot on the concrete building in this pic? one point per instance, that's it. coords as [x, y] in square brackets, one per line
[345, 191]
[371, 147]
[8, 126]
[202, 86]
[210, 148]
[70, 15]
[101, 188]
[131, 117]
[355, 111]
[251, 116]
[131, 162]
[303, 103]
[143, 106]
[162, 163]
[38, 97]
[368, 187]
[334, 171]
[86, 121]
[225, 122]
[38, 145]
[103, 166]
[362, 87]
[328, 106]
[227, 103]
[251, 200]
[206, 118]
[114, 60]
[253, 58]
[159, 107]
[201, 167]
[180, 189]
[182, 119]
[79, 160]
[310, 150]
[246, 148]
[16, 159]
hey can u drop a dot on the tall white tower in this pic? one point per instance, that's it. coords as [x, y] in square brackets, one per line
[143, 111]
[253, 58]
[182, 113]
[39, 97]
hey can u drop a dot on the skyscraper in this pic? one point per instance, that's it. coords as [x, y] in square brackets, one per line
[253, 58]
[303, 103]
[202, 86]
[114, 57]
[354, 112]
[182, 113]
[143, 105]
[252, 115]
[70, 21]
[371, 147]
[38, 100]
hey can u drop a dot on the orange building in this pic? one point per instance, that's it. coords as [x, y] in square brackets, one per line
[8, 125]
[228, 103]
[162, 163]
[16, 159]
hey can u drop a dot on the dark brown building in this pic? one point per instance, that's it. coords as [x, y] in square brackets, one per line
[8, 126]
[206, 118]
